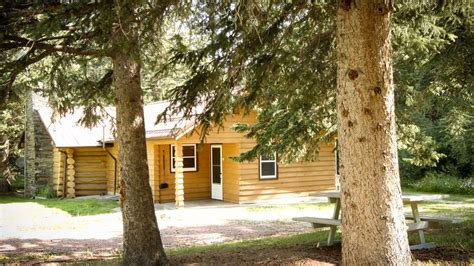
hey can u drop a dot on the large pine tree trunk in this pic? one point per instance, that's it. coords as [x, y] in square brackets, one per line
[141, 237]
[373, 224]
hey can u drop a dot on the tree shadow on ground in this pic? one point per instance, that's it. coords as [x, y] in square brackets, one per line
[267, 253]
[306, 254]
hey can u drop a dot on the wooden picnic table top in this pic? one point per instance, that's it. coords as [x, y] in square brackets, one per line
[407, 197]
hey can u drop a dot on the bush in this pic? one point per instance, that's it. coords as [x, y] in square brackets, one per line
[18, 183]
[444, 183]
[46, 192]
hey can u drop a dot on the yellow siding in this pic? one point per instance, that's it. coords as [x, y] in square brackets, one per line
[110, 164]
[230, 172]
[225, 134]
[152, 161]
[241, 180]
[58, 171]
[196, 184]
[90, 171]
[294, 180]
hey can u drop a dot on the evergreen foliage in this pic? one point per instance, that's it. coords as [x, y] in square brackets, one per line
[278, 59]
[73, 49]
[11, 127]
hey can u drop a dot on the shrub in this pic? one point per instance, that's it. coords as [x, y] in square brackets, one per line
[445, 183]
[18, 183]
[46, 191]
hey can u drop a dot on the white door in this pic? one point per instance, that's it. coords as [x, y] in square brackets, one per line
[216, 172]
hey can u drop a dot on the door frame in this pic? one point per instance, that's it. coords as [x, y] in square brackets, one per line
[221, 194]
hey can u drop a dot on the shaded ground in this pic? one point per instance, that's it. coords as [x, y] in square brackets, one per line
[32, 233]
[307, 254]
[296, 254]
[31, 227]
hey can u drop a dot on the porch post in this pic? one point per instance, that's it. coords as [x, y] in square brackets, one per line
[179, 175]
[70, 174]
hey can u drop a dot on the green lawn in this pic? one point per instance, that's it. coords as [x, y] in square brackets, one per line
[459, 235]
[74, 207]
[305, 238]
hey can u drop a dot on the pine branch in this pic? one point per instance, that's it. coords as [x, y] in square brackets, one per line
[19, 42]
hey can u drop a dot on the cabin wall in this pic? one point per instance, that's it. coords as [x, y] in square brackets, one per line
[226, 134]
[196, 184]
[58, 171]
[152, 151]
[112, 173]
[90, 171]
[294, 180]
[230, 172]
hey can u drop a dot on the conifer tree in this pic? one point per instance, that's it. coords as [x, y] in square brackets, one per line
[280, 59]
[87, 53]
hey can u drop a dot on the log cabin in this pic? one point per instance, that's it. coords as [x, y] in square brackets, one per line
[84, 161]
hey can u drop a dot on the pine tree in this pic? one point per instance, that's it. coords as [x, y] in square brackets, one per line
[280, 60]
[91, 52]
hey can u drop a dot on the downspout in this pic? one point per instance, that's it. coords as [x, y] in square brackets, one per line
[115, 169]
[25, 170]
[64, 176]
[113, 158]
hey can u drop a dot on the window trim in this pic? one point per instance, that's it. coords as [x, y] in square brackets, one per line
[188, 169]
[268, 177]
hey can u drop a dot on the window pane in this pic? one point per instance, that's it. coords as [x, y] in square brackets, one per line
[216, 156]
[266, 157]
[172, 161]
[216, 174]
[188, 150]
[188, 162]
[172, 151]
[268, 169]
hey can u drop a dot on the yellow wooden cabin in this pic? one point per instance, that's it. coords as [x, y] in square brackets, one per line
[181, 167]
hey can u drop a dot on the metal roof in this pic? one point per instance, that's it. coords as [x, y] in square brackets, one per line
[66, 131]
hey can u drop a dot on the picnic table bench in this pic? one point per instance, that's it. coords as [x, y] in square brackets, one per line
[420, 222]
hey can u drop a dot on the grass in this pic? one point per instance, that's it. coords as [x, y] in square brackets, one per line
[72, 206]
[459, 235]
[305, 238]
[300, 206]
[452, 235]
[440, 182]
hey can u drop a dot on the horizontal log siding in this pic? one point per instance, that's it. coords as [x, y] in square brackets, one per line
[226, 134]
[90, 171]
[197, 184]
[152, 154]
[294, 180]
[231, 172]
[58, 171]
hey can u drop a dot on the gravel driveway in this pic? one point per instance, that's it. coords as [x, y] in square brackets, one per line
[30, 227]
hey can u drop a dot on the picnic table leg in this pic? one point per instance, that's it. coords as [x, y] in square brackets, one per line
[332, 233]
[416, 217]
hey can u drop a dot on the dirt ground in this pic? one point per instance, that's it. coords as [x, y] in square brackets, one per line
[35, 234]
[30, 227]
[307, 254]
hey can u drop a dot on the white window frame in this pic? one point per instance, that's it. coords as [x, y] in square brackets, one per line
[188, 169]
[268, 161]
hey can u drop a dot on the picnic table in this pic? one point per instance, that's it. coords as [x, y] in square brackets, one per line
[419, 222]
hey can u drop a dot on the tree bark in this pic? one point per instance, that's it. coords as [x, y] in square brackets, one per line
[141, 237]
[373, 225]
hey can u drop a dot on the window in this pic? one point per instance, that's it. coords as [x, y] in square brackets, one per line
[268, 166]
[189, 158]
